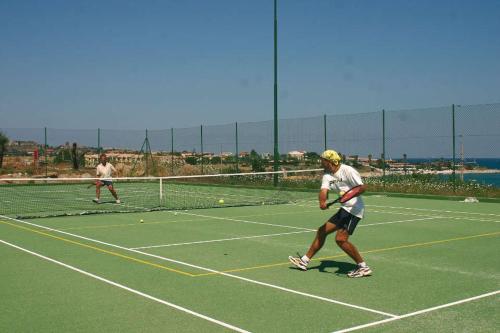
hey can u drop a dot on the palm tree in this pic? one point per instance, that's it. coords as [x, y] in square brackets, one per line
[3, 144]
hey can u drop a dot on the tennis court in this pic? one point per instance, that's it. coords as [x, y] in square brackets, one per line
[436, 268]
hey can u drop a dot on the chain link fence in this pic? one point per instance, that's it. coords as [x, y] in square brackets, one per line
[452, 138]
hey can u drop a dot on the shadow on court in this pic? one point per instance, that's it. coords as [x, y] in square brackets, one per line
[329, 266]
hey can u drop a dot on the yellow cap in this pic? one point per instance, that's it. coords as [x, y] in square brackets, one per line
[331, 156]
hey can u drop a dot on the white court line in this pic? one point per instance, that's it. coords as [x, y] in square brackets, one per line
[121, 286]
[244, 221]
[400, 221]
[208, 269]
[383, 212]
[218, 240]
[355, 328]
[270, 235]
[435, 210]
[439, 216]
[425, 210]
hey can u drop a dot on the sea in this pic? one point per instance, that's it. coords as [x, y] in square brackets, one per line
[481, 178]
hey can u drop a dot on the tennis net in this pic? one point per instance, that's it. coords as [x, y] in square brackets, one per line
[35, 197]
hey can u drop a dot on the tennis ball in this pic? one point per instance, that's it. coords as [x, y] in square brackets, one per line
[142, 221]
[221, 201]
[341, 193]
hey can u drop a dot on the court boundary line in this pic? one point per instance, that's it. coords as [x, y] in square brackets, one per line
[217, 240]
[362, 252]
[237, 218]
[419, 312]
[119, 255]
[386, 314]
[393, 318]
[131, 290]
[440, 216]
[268, 235]
[435, 210]
[243, 221]
[411, 208]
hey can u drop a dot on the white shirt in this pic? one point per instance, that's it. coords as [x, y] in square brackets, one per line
[104, 171]
[343, 180]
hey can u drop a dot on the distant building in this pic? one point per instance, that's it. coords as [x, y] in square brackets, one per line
[267, 155]
[297, 154]
[401, 167]
[185, 154]
[114, 157]
[21, 148]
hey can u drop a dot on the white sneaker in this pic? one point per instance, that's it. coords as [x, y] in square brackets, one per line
[298, 262]
[96, 200]
[360, 272]
[118, 201]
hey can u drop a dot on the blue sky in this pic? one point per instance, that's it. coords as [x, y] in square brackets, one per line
[162, 64]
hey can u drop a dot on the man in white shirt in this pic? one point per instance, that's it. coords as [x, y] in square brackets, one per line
[103, 171]
[339, 178]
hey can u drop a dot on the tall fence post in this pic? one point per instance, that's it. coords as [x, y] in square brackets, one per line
[146, 152]
[98, 141]
[45, 145]
[453, 144]
[172, 150]
[324, 130]
[276, 149]
[383, 147]
[201, 144]
[237, 149]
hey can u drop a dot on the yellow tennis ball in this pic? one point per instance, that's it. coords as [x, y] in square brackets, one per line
[341, 193]
[221, 201]
[142, 221]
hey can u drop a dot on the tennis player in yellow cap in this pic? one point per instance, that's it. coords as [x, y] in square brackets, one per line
[339, 178]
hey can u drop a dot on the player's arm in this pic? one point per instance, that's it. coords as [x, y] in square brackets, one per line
[355, 179]
[97, 174]
[353, 192]
[323, 196]
[362, 188]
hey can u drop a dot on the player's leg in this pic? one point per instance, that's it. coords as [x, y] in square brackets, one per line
[320, 238]
[113, 192]
[316, 245]
[342, 239]
[98, 185]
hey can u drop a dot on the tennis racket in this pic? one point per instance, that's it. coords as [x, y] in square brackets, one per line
[353, 192]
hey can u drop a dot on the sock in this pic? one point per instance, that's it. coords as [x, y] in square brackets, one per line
[362, 264]
[305, 259]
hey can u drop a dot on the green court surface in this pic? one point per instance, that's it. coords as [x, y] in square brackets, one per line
[435, 266]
